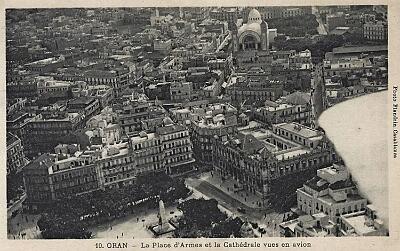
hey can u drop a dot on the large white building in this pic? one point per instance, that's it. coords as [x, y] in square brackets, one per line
[253, 35]
[331, 192]
[329, 205]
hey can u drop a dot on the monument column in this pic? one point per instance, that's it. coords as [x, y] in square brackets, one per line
[161, 220]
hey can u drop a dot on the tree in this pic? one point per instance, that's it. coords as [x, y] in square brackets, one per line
[199, 215]
[297, 26]
[225, 229]
[78, 212]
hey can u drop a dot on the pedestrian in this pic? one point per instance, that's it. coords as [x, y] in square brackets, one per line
[122, 234]
[137, 219]
[117, 236]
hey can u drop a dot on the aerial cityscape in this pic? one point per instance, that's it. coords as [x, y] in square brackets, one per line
[186, 122]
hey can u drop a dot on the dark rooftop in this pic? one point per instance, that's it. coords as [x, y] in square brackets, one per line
[313, 184]
[341, 184]
[170, 129]
[81, 101]
[11, 138]
[359, 49]
[44, 161]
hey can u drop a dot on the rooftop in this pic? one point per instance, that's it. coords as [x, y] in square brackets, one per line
[11, 138]
[143, 138]
[358, 222]
[44, 161]
[298, 129]
[170, 129]
[293, 153]
[350, 198]
[359, 49]
[46, 61]
[81, 101]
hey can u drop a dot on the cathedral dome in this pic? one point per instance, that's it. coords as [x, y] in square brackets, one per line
[254, 17]
[254, 27]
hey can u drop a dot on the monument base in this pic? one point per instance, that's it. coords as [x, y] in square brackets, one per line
[162, 229]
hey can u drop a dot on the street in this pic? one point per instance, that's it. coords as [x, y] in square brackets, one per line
[23, 226]
[321, 27]
[266, 219]
[318, 92]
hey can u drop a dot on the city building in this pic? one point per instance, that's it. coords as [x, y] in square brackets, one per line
[181, 91]
[364, 223]
[251, 40]
[329, 205]
[230, 15]
[375, 30]
[49, 128]
[87, 106]
[332, 192]
[214, 119]
[47, 87]
[295, 107]
[132, 111]
[46, 65]
[177, 148]
[15, 155]
[259, 160]
[71, 171]
[256, 86]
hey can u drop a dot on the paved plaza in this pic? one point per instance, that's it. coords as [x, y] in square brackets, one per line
[23, 226]
[207, 186]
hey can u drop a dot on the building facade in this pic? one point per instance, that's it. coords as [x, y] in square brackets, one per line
[15, 155]
[259, 162]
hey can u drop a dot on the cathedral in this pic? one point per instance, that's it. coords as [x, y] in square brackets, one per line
[253, 35]
[251, 42]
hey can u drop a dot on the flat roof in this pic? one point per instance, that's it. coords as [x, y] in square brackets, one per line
[285, 155]
[138, 139]
[298, 129]
[11, 138]
[81, 101]
[359, 49]
[358, 223]
[350, 197]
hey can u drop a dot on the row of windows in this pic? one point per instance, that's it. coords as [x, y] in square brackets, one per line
[118, 161]
[146, 144]
[178, 159]
[70, 175]
[299, 139]
[177, 151]
[53, 89]
[75, 182]
[118, 169]
[305, 205]
[176, 144]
